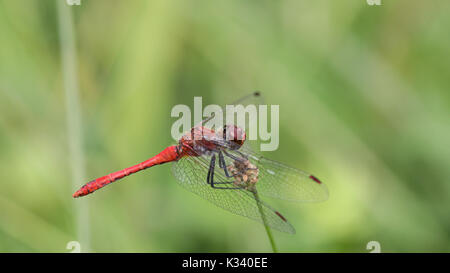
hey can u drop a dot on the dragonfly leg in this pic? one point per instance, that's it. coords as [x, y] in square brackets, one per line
[235, 157]
[223, 165]
[210, 177]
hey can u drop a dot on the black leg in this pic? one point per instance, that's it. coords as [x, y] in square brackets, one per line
[210, 176]
[221, 160]
[223, 165]
[211, 166]
[244, 158]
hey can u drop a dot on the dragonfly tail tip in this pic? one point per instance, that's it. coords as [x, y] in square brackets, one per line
[78, 193]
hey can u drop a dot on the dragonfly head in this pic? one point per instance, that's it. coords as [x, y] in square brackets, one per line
[234, 134]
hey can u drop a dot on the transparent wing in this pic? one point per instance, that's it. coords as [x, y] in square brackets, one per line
[255, 98]
[280, 181]
[191, 173]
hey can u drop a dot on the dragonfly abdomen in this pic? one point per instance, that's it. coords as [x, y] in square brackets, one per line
[167, 155]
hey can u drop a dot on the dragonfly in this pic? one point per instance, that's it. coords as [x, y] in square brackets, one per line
[223, 168]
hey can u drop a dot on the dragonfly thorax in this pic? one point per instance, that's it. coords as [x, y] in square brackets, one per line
[204, 141]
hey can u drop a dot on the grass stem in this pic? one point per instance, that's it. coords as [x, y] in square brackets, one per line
[73, 115]
[263, 217]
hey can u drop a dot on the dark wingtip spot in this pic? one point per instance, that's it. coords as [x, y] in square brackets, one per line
[315, 179]
[257, 93]
[281, 216]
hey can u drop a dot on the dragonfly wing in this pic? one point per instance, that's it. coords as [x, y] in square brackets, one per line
[191, 173]
[278, 180]
[252, 99]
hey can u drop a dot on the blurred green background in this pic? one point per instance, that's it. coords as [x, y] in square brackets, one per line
[364, 104]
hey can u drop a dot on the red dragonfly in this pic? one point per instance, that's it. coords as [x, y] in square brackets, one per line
[222, 168]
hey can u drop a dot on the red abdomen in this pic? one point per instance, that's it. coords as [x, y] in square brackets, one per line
[167, 155]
